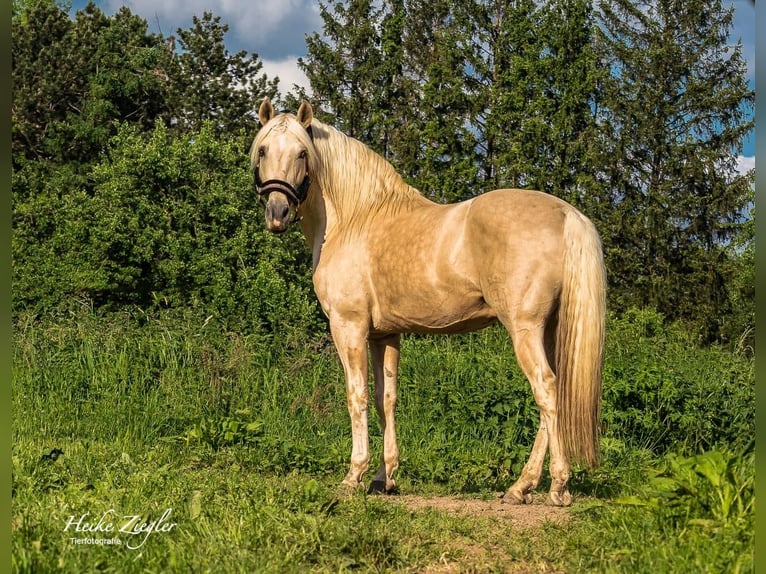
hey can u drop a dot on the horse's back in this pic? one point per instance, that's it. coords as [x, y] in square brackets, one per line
[519, 212]
[511, 226]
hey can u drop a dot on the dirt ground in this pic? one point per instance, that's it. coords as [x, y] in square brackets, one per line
[521, 516]
[464, 554]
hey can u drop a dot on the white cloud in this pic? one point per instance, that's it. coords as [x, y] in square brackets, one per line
[276, 34]
[745, 164]
[272, 30]
[288, 72]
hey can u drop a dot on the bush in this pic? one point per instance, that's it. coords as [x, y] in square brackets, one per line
[664, 392]
[161, 221]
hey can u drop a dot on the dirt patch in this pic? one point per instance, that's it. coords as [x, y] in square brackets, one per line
[520, 516]
[466, 552]
[484, 550]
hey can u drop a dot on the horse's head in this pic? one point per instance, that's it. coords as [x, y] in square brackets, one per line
[282, 157]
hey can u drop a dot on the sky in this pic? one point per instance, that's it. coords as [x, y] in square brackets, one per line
[275, 30]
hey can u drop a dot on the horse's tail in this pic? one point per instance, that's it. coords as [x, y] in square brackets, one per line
[580, 340]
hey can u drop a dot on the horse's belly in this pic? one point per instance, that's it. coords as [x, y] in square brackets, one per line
[432, 315]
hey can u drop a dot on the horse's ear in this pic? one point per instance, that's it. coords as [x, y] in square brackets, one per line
[305, 114]
[266, 111]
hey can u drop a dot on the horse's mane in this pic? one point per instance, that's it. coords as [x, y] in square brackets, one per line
[358, 181]
[355, 179]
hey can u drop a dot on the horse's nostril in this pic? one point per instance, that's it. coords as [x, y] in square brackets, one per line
[277, 211]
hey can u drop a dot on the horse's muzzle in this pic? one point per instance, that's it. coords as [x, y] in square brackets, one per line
[277, 213]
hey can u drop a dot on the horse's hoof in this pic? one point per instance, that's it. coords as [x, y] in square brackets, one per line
[346, 489]
[556, 499]
[377, 487]
[515, 498]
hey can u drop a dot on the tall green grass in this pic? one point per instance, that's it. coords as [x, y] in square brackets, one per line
[244, 437]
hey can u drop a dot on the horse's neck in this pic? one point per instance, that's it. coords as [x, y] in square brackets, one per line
[314, 221]
[322, 218]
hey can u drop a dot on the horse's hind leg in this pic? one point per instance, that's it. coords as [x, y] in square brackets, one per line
[519, 493]
[385, 364]
[528, 342]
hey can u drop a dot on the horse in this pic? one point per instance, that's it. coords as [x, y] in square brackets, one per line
[387, 261]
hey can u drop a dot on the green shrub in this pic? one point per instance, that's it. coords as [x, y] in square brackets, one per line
[161, 221]
[710, 490]
[663, 391]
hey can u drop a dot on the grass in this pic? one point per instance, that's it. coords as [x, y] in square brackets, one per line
[244, 440]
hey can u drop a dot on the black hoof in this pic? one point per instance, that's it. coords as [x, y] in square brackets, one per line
[377, 487]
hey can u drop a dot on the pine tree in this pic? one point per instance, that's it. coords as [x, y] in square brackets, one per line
[360, 78]
[673, 113]
[569, 152]
[396, 107]
[345, 66]
[209, 83]
[463, 96]
[536, 122]
[439, 46]
[509, 69]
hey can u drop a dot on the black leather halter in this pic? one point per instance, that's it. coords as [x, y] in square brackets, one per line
[295, 195]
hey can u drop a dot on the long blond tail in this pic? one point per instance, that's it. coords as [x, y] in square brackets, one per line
[580, 340]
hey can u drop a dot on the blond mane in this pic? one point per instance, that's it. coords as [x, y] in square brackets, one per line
[356, 180]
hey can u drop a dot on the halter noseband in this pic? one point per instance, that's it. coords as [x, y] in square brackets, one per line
[296, 196]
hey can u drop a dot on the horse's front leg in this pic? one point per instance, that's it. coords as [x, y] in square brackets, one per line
[385, 364]
[351, 343]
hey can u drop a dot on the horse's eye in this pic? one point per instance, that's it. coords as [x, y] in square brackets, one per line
[303, 154]
[261, 152]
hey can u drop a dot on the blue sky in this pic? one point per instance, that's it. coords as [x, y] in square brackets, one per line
[277, 34]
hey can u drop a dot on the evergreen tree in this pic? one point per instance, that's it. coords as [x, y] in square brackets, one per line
[536, 122]
[358, 74]
[209, 83]
[344, 66]
[507, 66]
[673, 113]
[570, 150]
[463, 97]
[440, 47]
[74, 79]
[397, 104]
[739, 327]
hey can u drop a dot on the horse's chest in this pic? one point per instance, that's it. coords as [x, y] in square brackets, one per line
[340, 283]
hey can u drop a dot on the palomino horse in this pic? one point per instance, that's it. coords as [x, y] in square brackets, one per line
[388, 261]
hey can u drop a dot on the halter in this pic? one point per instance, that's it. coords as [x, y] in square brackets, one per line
[294, 196]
